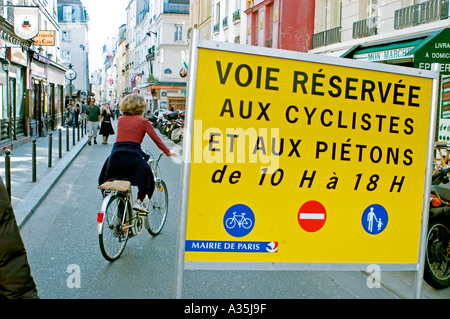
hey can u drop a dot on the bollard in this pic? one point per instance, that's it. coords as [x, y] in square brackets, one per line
[81, 123]
[73, 135]
[33, 160]
[60, 142]
[78, 132]
[67, 139]
[50, 148]
[8, 172]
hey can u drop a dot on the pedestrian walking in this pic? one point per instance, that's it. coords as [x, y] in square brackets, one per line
[83, 110]
[106, 129]
[75, 112]
[16, 281]
[93, 117]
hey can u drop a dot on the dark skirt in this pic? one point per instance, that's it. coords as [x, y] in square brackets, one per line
[106, 129]
[128, 162]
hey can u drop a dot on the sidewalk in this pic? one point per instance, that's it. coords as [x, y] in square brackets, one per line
[26, 195]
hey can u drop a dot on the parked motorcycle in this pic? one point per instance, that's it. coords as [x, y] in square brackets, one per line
[437, 259]
[170, 124]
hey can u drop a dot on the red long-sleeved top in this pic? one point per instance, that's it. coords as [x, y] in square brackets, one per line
[133, 129]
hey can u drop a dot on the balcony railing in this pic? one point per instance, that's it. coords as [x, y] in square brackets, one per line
[225, 23]
[365, 28]
[7, 12]
[216, 28]
[176, 8]
[421, 13]
[237, 15]
[326, 37]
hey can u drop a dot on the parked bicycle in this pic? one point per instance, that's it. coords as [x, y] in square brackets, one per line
[118, 221]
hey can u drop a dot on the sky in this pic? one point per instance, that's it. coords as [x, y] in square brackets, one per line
[106, 16]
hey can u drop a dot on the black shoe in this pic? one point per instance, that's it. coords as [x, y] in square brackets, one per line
[89, 143]
[95, 141]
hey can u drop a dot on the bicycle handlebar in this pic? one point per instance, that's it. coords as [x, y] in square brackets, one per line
[147, 152]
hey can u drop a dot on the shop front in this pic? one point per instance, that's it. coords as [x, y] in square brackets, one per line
[13, 76]
[168, 96]
[38, 117]
[436, 49]
[46, 95]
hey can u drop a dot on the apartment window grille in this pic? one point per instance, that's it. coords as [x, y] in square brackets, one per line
[66, 36]
[66, 56]
[67, 13]
[364, 28]
[237, 15]
[326, 37]
[178, 36]
[225, 23]
[421, 13]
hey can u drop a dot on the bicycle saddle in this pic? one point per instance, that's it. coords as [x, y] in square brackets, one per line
[116, 185]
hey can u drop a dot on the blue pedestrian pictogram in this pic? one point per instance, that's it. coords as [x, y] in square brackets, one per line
[239, 220]
[374, 219]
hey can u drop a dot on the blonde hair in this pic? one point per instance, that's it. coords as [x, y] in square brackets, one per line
[133, 104]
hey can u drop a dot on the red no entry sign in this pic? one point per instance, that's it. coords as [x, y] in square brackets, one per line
[312, 216]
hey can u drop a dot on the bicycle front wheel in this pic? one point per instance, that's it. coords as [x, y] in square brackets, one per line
[114, 231]
[158, 206]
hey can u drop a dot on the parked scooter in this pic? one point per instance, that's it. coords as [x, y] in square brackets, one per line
[177, 131]
[170, 124]
[171, 118]
[437, 259]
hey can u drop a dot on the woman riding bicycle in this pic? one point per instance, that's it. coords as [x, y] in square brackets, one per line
[127, 161]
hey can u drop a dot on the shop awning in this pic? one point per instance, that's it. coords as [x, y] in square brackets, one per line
[385, 52]
[428, 43]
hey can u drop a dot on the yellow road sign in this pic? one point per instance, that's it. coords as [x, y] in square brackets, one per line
[306, 160]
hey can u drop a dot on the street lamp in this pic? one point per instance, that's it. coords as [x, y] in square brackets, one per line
[5, 66]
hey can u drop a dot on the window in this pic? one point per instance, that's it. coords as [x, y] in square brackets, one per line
[67, 13]
[217, 17]
[269, 25]
[66, 57]
[178, 36]
[66, 36]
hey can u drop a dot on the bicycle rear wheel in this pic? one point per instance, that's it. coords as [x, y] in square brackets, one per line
[158, 206]
[114, 234]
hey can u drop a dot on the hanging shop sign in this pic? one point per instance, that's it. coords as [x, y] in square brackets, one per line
[26, 22]
[45, 38]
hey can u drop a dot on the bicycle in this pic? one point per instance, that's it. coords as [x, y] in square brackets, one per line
[239, 220]
[118, 221]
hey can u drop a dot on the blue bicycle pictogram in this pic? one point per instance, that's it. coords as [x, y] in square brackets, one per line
[239, 220]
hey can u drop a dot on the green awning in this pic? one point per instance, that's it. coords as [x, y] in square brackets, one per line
[430, 40]
[384, 52]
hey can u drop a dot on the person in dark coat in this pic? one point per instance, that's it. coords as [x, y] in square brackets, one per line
[106, 129]
[16, 281]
